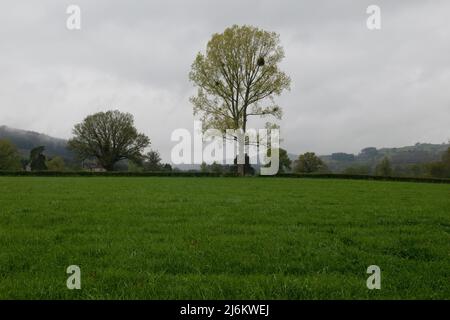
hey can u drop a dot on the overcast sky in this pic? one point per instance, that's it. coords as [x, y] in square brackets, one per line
[351, 87]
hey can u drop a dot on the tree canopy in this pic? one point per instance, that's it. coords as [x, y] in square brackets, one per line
[309, 163]
[108, 137]
[152, 161]
[384, 168]
[284, 163]
[9, 156]
[236, 74]
[441, 169]
[38, 159]
[56, 164]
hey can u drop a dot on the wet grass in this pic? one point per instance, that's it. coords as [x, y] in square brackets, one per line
[223, 238]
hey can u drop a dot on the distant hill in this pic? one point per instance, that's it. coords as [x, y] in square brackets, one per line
[420, 153]
[401, 157]
[27, 140]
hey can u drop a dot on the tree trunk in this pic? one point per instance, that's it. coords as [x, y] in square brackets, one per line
[241, 169]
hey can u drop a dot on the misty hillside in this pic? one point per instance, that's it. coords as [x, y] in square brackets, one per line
[27, 140]
[420, 153]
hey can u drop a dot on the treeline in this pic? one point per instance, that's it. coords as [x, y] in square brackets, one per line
[307, 163]
[310, 163]
[421, 160]
[435, 169]
[377, 166]
[11, 160]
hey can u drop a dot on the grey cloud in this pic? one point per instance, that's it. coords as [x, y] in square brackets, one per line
[351, 87]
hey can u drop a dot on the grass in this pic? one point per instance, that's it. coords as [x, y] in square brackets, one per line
[223, 238]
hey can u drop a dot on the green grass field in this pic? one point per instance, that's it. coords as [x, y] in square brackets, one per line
[223, 238]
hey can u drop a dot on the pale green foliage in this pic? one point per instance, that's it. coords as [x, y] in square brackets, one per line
[440, 169]
[309, 163]
[238, 77]
[56, 164]
[384, 168]
[152, 161]
[285, 163]
[134, 167]
[9, 156]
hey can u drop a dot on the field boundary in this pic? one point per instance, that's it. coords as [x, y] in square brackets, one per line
[209, 174]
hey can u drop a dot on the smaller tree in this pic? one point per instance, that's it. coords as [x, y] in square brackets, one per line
[204, 167]
[135, 167]
[38, 159]
[109, 137]
[216, 168]
[309, 163]
[440, 169]
[284, 162]
[56, 164]
[9, 156]
[446, 158]
[152, 161]
[384, 168]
